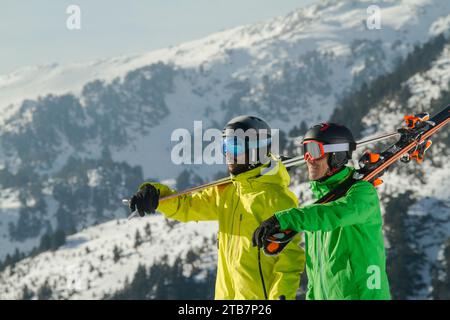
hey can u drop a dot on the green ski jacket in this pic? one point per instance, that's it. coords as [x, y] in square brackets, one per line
[345, 255]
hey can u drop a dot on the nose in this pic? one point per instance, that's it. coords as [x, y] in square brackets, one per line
[309, 159]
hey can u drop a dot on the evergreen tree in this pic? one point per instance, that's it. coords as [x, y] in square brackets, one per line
[164, 281]
[137, 239]
[58, 239]
[11, 260]
[403, 260]
[46, 243]
[170, 223]
[117, 252]
[187, 179]
[148, 231]
[183, 180]
[441, 276]
[27, 294]
[355, 106]
[45, 291]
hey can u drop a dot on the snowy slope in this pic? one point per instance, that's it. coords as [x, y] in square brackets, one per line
[84, 268]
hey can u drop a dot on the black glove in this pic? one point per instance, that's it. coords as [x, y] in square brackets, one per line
[146, 200]
[267, 228]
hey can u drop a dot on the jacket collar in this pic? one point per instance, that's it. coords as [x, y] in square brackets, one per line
[273, 172]
[320, 188]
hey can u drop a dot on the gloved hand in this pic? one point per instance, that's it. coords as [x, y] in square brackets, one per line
[146, 200]
[267, 227]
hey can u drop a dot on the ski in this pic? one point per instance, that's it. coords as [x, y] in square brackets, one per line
[412, 145]
[288, 163]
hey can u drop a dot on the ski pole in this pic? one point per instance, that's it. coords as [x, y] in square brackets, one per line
[135, 213]
[377, 138]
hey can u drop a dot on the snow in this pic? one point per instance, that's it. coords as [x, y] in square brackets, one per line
[74, 268]
[428, 85]
[442, 25]
[245, 53]
[143, 152]
[326, 27]
[94, 177]
[10, 199]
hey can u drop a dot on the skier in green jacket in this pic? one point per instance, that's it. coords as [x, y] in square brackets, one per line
[345, 255]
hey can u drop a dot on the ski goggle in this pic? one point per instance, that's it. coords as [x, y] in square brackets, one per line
[314, 150]
[236, 146]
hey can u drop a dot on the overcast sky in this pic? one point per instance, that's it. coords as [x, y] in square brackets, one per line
[34, 31]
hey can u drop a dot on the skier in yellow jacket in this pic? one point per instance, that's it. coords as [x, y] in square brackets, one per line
[259, 187]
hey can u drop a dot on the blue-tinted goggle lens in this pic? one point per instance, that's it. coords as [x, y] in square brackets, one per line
[236, 146]
[233, 145]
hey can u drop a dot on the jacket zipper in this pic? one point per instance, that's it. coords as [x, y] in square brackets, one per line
[230, 247]
[238, 237]
[319, 255]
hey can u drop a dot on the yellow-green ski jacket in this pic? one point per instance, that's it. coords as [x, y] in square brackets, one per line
[240, 207]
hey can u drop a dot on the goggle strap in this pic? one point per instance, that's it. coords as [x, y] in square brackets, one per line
[259, 143]
[252, 144]
[337, 147]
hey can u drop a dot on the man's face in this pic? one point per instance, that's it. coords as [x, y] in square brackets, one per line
[236, 165]
[317, 169]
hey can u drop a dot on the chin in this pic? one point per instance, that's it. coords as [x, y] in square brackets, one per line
[315, 177]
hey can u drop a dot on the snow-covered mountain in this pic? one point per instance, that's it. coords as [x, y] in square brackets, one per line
[75, 139]
[329, 27]
[86, 267]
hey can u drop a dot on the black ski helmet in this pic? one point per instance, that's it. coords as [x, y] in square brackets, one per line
[247, 122]
[241, 124]
[332, 133]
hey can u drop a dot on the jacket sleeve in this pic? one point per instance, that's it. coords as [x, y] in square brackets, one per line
[287, 270]
[200, 206]
[356, 207]
[290, 262]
